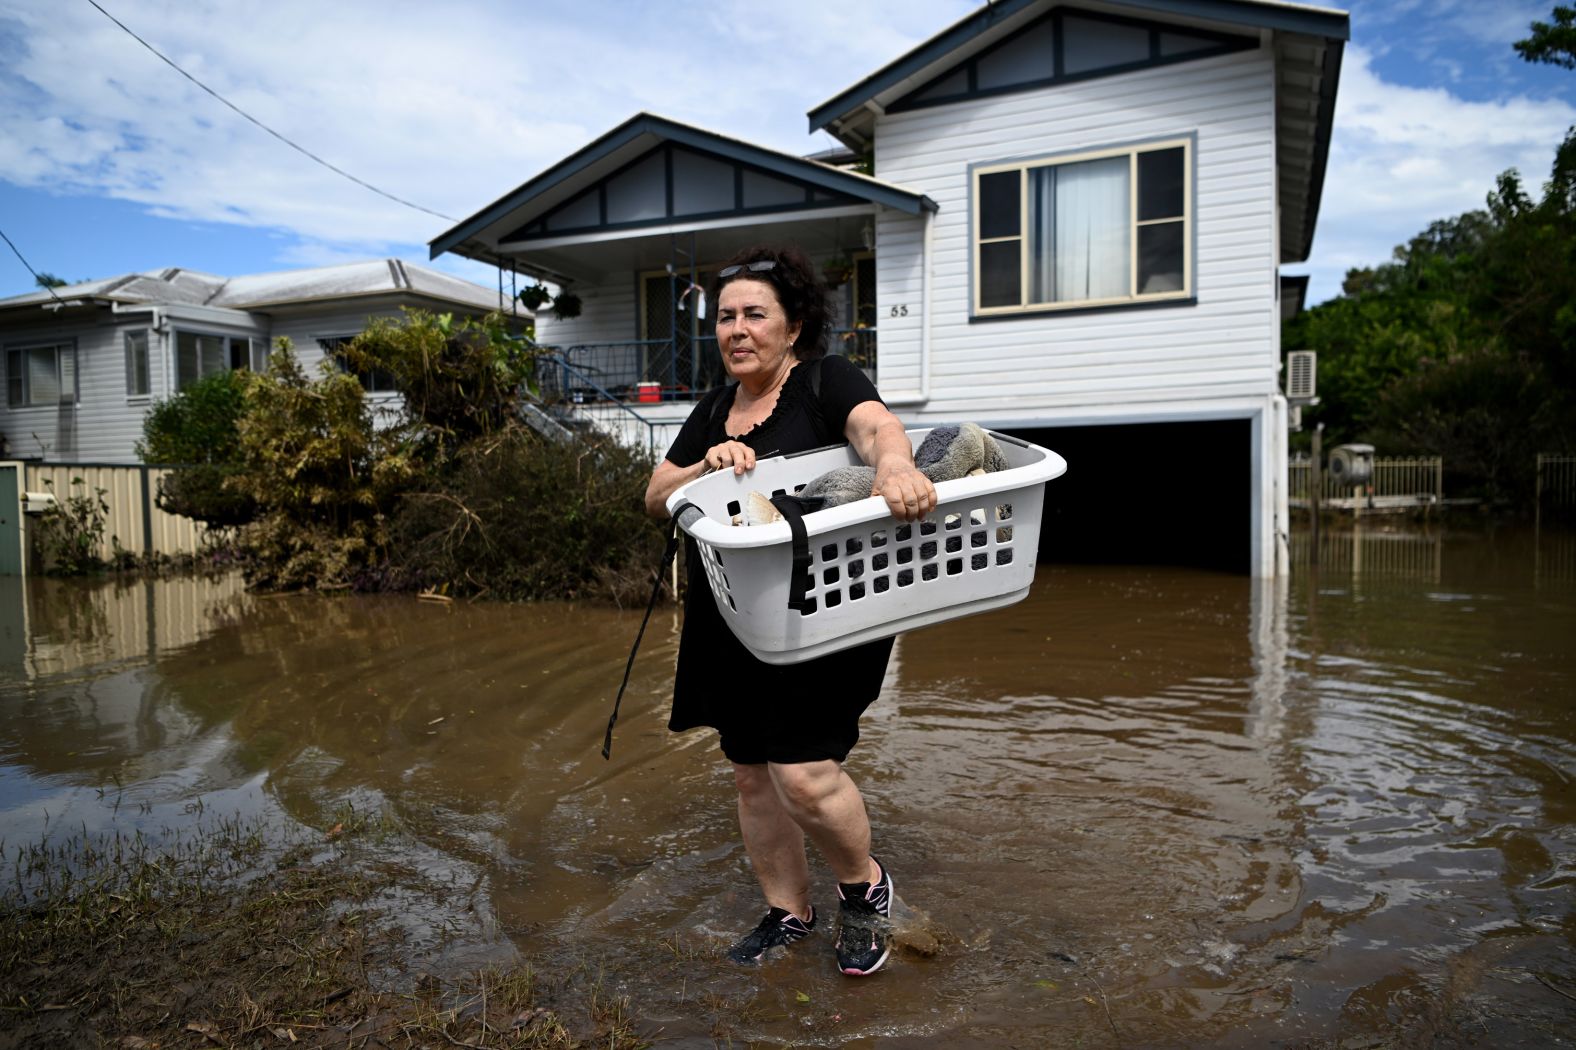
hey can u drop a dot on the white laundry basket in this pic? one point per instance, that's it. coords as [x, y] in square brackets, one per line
[871, 576]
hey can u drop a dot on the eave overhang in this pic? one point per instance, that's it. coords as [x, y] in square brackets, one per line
[480, 235]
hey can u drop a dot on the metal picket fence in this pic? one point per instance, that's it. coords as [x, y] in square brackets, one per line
[1420, 478]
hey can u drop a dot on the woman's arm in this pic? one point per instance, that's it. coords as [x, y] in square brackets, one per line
[669, 476]
[878, 436]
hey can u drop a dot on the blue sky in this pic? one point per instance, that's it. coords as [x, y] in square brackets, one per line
[111, 162]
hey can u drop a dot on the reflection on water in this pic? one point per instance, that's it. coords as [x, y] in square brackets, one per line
[1143, 807]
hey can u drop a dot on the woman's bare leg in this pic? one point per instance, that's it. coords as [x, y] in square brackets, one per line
[774, 841]
[824, 803]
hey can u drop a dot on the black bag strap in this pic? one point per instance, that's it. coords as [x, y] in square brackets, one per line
[668, 554]
[793, 509]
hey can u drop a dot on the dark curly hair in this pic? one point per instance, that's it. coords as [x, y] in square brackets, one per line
[798, 287]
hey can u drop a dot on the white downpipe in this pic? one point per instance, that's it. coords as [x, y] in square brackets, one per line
[1282, 506]
[927, 253]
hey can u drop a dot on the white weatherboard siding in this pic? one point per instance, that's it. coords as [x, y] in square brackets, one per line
[103, 424]
[608, 314]
[1108, 363]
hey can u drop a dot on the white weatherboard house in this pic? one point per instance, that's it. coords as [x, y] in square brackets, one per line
[1073, 231]
[83, 365]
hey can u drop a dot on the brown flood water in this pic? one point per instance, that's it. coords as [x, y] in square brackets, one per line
[1145, 807]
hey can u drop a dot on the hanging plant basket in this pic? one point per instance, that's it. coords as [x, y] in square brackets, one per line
[534, 296]
[837, 270]
[566, 305]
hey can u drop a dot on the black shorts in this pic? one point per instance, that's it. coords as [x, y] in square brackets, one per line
[806, 712]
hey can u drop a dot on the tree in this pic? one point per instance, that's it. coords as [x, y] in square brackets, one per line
[311, 460]
[1464, 343]
[49, 280]
[1552, 42]
[197, 428]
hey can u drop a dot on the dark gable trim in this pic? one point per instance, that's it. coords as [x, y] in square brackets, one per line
[1333, 25]
[936, 49]
[820, 176]
[1224, 44]
[537, 227]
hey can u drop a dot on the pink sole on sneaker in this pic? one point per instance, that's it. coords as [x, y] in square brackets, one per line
[851, 972]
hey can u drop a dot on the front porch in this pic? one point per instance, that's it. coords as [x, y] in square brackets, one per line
[634, 227]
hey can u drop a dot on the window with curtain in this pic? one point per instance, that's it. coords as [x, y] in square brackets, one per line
[41, 375]
[198, 354]
[1103, 228]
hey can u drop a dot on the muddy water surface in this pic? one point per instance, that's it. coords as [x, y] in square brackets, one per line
[1143, 808]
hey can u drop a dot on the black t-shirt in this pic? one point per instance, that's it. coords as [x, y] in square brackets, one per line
[802, 419]
[764, 711]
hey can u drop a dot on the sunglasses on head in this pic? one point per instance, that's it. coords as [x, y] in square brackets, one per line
[755, 267]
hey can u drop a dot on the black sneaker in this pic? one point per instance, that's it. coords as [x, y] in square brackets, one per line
[864, 935]
[779, 929]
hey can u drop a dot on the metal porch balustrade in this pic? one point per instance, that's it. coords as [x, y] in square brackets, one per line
[654, 370]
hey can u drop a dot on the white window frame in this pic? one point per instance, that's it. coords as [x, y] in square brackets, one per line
[139, 374]
[229, 338]
[57, 345]
[1186, 143]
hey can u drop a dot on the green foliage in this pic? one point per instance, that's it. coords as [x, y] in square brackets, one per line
[198, 428]
[72, 531]
[49, 280]
[198, 424]
[1464, 345]
[459, 380]
[309, 460]
[1553, 42]
[518, 516]
[458, 494]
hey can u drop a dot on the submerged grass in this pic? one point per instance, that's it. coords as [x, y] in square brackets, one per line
[226, 937]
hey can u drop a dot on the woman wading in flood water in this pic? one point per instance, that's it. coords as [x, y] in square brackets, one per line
[787, 730]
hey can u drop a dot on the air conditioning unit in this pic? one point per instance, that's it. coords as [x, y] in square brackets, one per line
[1352, 464]
[1301, 367]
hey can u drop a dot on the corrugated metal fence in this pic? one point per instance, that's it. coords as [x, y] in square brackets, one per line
[134, 519]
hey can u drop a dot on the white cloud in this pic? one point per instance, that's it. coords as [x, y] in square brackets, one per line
[1402, 157]
[448, 106]
[453, 105]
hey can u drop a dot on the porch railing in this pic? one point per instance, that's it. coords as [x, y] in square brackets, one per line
[668, 370]
[564, 383]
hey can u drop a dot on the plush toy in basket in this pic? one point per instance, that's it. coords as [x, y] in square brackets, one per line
[819, 580]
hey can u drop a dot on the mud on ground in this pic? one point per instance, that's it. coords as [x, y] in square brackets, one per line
[228, 939]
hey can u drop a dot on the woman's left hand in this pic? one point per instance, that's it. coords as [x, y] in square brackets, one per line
[908, 493]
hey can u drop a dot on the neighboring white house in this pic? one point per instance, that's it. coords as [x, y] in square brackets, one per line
[1074, 232]
[83, 365]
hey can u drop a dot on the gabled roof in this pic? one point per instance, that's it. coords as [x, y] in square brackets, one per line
[178, 287]
[479, 235]
[1308, 44]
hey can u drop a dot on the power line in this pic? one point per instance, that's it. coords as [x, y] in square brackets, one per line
[298, 148]
[32, 271]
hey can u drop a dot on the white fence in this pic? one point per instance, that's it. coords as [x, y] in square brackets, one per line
[1418, 481]
[1556, 481]
[134, 521]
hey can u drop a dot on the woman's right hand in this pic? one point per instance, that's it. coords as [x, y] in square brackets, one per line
[735, 454]
[669, 476]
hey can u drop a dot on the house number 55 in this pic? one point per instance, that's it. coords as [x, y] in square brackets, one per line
[900, 310]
